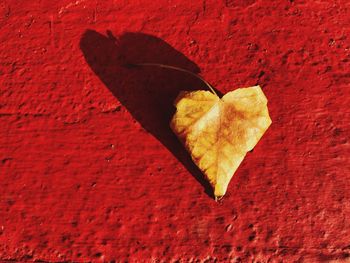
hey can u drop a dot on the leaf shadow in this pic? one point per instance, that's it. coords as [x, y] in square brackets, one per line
[147, 93]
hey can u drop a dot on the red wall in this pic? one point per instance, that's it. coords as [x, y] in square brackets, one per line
[89, 169]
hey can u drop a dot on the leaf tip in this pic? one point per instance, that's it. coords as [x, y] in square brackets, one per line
[218, 198]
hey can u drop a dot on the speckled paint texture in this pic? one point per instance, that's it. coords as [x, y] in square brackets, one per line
[90, 170]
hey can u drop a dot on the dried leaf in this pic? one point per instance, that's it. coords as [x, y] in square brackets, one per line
[219, 132]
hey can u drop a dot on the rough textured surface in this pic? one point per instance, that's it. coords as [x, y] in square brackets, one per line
[89, 169]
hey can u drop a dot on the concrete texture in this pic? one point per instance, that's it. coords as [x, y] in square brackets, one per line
[90, 171]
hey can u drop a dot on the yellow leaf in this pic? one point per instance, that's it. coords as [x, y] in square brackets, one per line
[219, 132]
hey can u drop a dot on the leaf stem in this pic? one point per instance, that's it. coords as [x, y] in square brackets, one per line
[179, 69]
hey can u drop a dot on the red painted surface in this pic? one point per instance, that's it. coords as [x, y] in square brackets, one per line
[90, 170]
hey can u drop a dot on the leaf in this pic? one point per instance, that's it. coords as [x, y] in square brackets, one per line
[219, 132]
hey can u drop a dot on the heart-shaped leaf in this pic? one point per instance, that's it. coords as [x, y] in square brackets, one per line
[218, 132]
